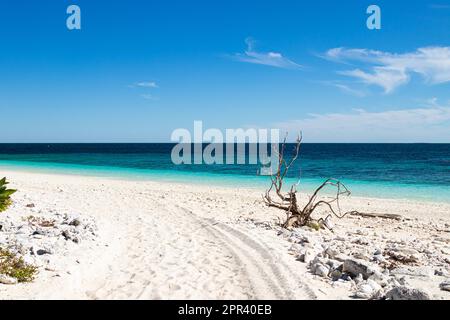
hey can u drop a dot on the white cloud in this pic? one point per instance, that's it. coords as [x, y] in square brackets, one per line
[147, 96]
[390, 70]
[430, 123]
[147, 84]
[345, 88]
[273, 59]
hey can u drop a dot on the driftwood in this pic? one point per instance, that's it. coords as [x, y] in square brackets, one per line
[379, 215]
[297, 215]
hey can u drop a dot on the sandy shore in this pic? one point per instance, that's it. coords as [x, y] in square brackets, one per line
[184, 241]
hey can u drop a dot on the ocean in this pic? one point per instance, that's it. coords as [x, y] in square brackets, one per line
[403, 171]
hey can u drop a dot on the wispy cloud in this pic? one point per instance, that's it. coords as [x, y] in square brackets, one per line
[345, 88]
[147, 96]
[430, 123]
[391, 70]
[273, 59]
[439, 6]
[144, 84]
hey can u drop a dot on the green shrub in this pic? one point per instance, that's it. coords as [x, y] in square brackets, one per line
[15, 267]
[5, 195]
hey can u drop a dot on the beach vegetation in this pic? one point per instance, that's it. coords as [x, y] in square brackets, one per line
[5, 195]
[297, 214]
[15, 267]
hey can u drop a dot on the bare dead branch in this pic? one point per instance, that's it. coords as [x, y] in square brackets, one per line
[378, 215]
[297, 216]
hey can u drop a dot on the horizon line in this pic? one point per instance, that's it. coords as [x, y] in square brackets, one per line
[289, 142]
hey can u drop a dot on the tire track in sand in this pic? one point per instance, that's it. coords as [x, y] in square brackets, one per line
[173, 253]
[271, 278]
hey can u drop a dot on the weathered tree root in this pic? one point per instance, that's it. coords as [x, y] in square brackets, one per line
[297, 216]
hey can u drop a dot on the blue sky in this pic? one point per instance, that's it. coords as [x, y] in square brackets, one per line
[137, 70]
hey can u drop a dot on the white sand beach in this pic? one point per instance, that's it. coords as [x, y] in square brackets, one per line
[159, 240]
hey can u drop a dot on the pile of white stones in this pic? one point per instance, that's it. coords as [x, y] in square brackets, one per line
[43, 237]
[370, 269]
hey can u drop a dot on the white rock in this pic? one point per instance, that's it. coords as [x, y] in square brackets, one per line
[362, 232]
[341, 257]
[406, 251]
[425, 272]
[286, 234]
[29, 259]
[442, 273]
[379, 278]
[328, 223]
[364, 291]
[334, 264]
[356, 267]
[296, 248]
[375, 286]
[4, 279]
[405, 293]
[379, 258]
[362, 255]
[378, 251]
[393, 282]
[342, 284]
[310, 255]
[360, 240]
[445, 285]
[294, 239]
[321, 270]
[331, 252]
[359, 279]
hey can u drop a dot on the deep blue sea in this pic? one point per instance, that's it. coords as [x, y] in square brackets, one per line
[412, 171]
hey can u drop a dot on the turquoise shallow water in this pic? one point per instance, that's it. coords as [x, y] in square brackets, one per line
[409, 171]
[419, 192]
